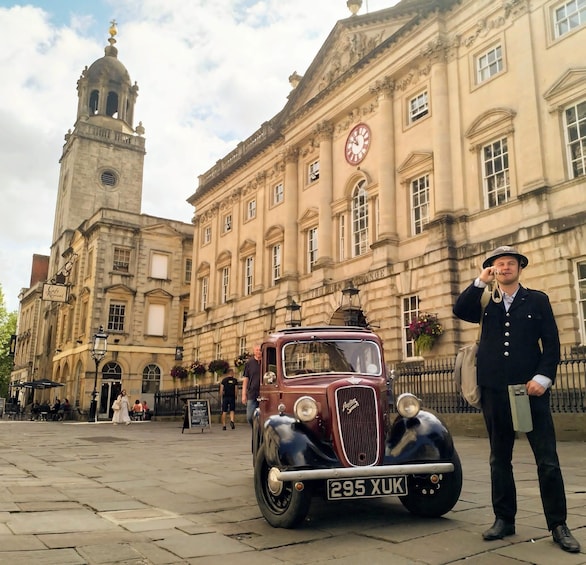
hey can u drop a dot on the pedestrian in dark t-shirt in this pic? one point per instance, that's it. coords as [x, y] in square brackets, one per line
[251, 383]
[228, 388]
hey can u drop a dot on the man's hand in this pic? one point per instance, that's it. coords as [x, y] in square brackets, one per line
[534, 388]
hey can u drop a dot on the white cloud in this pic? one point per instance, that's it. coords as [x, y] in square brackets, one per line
[209, 73]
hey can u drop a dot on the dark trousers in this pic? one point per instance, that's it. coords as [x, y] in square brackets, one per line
[497, 416]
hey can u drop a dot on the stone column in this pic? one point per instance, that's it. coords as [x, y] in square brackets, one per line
[442, 154]
[325, 187]
[290, 244]
[384, 142]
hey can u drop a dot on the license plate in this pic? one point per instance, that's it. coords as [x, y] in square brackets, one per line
[368, 487]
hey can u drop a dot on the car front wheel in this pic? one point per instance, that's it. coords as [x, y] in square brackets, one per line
[433, 499]
[281, 504]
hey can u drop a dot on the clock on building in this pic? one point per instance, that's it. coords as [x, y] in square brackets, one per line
[357, 144]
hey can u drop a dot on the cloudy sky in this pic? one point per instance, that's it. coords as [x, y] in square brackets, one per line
[209, 73]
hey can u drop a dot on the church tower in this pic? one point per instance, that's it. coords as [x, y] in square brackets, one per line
[103, 157]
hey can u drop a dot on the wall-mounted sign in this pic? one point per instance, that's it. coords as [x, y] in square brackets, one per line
[55, 292]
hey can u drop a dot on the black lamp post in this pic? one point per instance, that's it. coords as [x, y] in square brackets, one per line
[293, 314]
[98, 352]
[351, 306]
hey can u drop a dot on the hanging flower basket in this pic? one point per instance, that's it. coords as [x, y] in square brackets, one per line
[197, 369]
[179, 372]
[424, 330]
[219, 366]
[240, 361]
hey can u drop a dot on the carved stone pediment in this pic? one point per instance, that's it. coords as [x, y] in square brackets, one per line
[347, 46]
[568, 87]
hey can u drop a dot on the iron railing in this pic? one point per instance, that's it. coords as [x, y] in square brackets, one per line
[170, 402]
[431, 381]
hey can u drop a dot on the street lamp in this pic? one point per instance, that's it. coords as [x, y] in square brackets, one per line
[98, 352]
[351, 306]
[293, 314]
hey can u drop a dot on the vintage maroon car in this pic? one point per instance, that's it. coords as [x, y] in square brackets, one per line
[327, 424]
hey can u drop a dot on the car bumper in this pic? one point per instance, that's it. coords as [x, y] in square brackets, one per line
[358, 472]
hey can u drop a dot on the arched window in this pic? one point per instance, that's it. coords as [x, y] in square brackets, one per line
[151, 379]
[360, 219]
[94, 102]
[112, 371]
[112, 104]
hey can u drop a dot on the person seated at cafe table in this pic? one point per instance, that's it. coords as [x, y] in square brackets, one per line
[55, 409]
[137, 411]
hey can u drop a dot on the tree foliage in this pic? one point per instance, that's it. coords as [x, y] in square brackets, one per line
[7, 329]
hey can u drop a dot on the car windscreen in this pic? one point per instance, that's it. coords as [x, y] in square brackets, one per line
[331, 356]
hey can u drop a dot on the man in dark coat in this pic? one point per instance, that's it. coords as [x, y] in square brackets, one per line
[519, 344]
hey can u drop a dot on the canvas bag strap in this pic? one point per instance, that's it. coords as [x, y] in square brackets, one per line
[484, 300]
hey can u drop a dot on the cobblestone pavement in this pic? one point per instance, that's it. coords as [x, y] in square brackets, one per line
[79, 493]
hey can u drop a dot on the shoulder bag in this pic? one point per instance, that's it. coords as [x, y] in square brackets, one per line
[116, 405]
[465, 366]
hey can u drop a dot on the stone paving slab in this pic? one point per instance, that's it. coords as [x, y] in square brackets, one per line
[189, 498]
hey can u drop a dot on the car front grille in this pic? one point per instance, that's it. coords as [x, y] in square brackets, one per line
[357, 414]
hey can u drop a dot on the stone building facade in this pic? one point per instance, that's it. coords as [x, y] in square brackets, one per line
[420, 138]
[118, 269]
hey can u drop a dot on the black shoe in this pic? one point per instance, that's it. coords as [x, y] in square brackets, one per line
[499, 530]
[224, 428]
[564, 538]
[232, 425]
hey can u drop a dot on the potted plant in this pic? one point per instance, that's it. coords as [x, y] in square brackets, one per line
[219, 367]
[197, 368]
[179, 372]
[425, 329]
[240, 361]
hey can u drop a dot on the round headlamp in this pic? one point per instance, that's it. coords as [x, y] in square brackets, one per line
[408, 405]
[305, 409]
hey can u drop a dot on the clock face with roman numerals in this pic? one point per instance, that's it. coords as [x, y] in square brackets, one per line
[357, 144]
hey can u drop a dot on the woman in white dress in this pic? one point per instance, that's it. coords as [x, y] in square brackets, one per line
[121, 409]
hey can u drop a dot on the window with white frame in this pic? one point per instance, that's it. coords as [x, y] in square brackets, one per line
[241, 345]
[248, 275]
[151, 379]
[313, 172]
[116, 316]
[418, 107]
[581, 276]
[489, 64]
[251, 210]
[568, 16]
[311, 248]
[225, 284]
[156, 319]
[278, 194]
[188, 270]
[218, 349]
[342, 237]
[495, 173]
[206, 235]
[204, 290]
[410, 311]
[121, 261]
[275, 264]
[227, 224]
[419, 204]
[575, 130]
[159, 263]
[360, 220]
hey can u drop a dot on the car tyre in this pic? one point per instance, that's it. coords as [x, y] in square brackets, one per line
[282, 508]
[432, 501]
